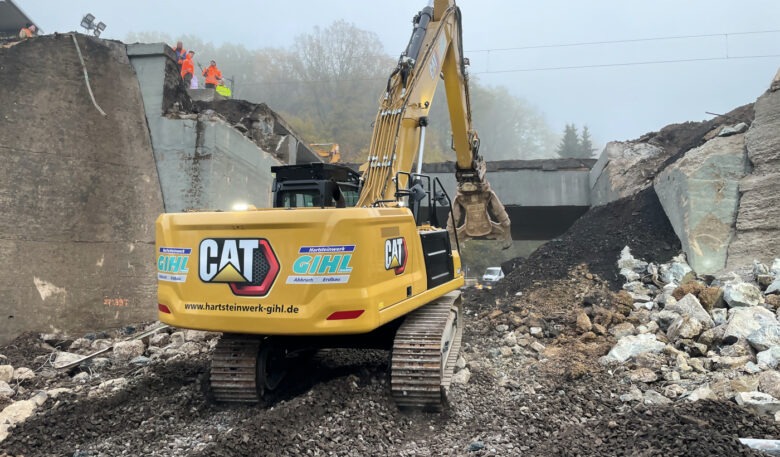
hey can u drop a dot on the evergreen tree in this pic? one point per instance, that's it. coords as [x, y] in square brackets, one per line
[570, 143]
[586, 145]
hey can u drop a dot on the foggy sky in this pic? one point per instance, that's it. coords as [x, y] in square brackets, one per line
[616, 101]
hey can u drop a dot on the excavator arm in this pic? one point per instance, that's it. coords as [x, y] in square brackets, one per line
[434, 52]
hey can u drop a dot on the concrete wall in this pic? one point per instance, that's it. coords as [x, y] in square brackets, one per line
[758, 222]
[533, 187]
[601, 190]
[79, 191]
[203, 162]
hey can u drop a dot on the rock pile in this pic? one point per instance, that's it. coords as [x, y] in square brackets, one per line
[23, 390]
[690, 338]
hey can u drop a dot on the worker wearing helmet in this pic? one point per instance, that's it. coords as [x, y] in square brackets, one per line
[188, 69]
[213, 75]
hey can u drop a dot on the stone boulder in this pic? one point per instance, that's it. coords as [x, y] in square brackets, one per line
[702, 393]
[23, 374]
[160, 340]
[65, 358]
[769, 383]
[6, 391]
[766, 337]
[690, 306]
[6, 373]
[627, 261]
[773, 287]
[18, 412]
[759, 402]
[687, 327]
[741, 294]
[652, 397]
[127, 350]
[769, 358]
[622, 329]
[676, 272]
[615, 174]
[712, 336]
[633, 345]
[744, 321]
[700, 196]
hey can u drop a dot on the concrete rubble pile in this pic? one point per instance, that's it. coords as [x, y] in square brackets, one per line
[690, 338]
[23, 390]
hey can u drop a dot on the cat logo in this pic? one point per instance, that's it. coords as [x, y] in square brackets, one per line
[395, 255]
[249, 266]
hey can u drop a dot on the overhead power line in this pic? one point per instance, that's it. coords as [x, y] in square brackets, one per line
[522, 70]
[623, 64]
[574, 67]
[630, 40]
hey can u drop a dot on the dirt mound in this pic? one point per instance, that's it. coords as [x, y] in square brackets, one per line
[637, 221]
[677, 139]
[596, 240]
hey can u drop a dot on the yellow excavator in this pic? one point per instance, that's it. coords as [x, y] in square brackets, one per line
[344, 259]
[328, 152]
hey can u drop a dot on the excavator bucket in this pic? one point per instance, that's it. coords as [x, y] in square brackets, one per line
[478, 213]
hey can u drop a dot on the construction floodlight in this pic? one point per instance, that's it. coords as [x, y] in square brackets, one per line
[87, 21]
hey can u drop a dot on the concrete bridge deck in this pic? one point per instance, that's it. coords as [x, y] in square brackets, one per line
[542, 197]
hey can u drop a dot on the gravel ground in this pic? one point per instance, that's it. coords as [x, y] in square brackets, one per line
[557, 401]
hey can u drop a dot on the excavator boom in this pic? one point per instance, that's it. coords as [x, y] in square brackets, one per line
[434, 52]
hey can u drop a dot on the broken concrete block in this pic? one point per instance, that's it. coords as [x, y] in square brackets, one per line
[744, 321]
[632, 345]
[700, 195]
[759, 402]
[741, 294]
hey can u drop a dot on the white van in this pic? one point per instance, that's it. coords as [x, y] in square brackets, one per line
[492, 276]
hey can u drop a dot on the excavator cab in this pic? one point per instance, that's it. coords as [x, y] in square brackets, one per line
[315, 185]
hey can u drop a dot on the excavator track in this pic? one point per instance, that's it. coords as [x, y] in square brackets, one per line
[234, 369]
[425, 350]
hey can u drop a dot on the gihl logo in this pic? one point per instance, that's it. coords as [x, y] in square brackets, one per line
[249, 266]
[395, 255]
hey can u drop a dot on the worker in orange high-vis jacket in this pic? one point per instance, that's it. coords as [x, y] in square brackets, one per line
[213, 75]
[188, 69]
[27, 31]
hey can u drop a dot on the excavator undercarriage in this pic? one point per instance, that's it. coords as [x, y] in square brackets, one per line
[424, 348]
